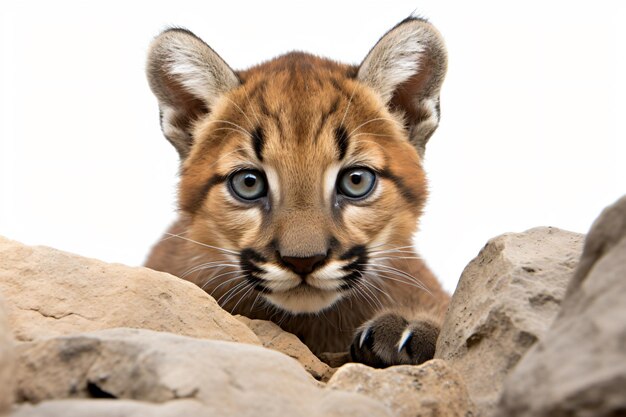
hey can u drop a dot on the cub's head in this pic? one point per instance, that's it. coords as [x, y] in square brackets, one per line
[297, 172]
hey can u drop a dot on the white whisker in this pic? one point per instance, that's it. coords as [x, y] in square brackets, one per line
[171, 236]
[226, 154]
[357, 292]
[188, 272]
[232, 311]
[382, 274]
[282, 319]
[256, 115]
[255, 300]
[241, 128]
[368, 122]
[231, 291]
[223, 274]
[371, 134]
[368, 289]
[394, 248]
[232, 252]
[373, 285]
[231, 129]
[208, 265]
[388, 257]
[241, 289]
[242, 112]
[394, 269]
[348, 106]
[367, 296]
[379, 245]
[380, 268]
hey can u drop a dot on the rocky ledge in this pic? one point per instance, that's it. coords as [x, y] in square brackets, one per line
[533, 329]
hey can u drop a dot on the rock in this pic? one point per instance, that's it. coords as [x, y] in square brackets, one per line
[430, 389]
[7, 362]
[506, 299]
[338, 407]
[112, 408]
[51, 293]
[130, 364]
[579, 368]
[273, 337]
[605, 233]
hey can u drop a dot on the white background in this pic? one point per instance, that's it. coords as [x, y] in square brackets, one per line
[532, 132]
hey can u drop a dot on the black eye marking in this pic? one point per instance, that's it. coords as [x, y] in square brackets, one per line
[195, 203]
[258, 141]
[405, 191]
[333, 109]
[341, 137]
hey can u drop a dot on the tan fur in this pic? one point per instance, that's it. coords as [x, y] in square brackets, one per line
[299, 100]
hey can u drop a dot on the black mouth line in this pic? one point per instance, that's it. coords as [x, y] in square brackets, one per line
[258, 283]
[247, 259]
[361, 258]
[354, 269]
[306, 287]
[351, 280]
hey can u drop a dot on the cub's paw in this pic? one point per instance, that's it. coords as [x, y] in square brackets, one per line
[390, 339]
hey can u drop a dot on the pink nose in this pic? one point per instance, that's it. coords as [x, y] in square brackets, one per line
[303, 266]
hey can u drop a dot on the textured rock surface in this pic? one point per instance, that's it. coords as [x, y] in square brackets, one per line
[7, 362]
[579, 368]
[430, 389]
[273, 337]
[51, 293]
[216, 377]
[112, 408]
[506, 299]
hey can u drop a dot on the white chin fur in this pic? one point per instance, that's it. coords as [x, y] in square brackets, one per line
[303, 300]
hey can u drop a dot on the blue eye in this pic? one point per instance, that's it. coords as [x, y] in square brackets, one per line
[356, 183]
[249, 184]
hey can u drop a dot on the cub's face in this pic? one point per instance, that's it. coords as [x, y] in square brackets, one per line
[301, 171]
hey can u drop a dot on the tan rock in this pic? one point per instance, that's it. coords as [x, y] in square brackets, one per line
[332, 407]
[605, 233]
[51, 293]
[273, 337]
[7, 361]
[112, 408]
[506, 299]
[131, 364]
[431, 389]
[579, 368]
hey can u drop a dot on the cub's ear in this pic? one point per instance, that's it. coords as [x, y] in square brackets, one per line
[407, 67]
[187, 77]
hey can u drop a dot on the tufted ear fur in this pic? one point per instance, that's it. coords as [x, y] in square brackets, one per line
[407, 67]
[187, 77]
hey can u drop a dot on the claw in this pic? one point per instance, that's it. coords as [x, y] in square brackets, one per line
[406, 336]
[364, 336]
